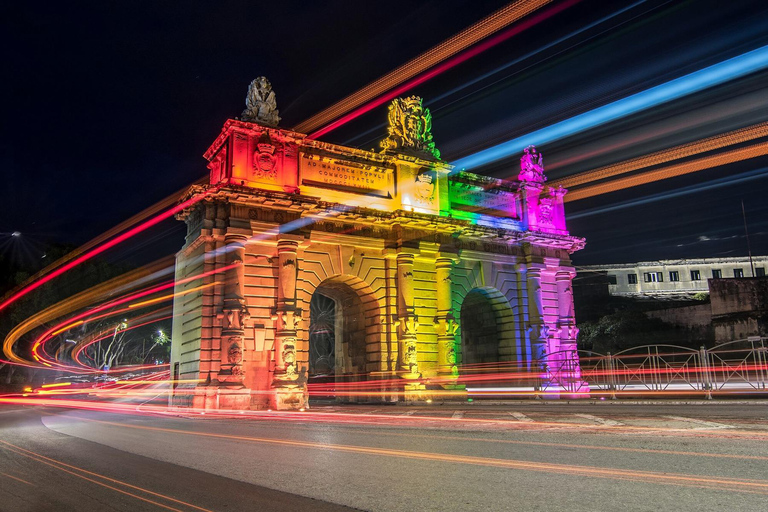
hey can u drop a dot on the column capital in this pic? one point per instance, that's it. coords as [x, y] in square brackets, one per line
[405, 258]
[565, 273]
[287, 244]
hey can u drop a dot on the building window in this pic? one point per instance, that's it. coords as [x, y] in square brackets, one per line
[674, 276]
[717, 273]
[653, 277]
[738, 272]
[760, 272]
[695, 275]
[611, 279]
[632, 278]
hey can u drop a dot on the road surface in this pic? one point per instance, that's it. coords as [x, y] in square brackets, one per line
[522, 456]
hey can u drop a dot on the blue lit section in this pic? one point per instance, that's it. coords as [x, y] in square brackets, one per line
[716, 74]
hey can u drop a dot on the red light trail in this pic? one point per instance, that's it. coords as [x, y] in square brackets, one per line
[103, 247]
[445, 66]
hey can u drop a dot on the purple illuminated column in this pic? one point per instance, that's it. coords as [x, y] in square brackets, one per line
[538, 330]
[569, 364]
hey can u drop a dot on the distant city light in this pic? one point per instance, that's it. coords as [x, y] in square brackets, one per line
[16, 234]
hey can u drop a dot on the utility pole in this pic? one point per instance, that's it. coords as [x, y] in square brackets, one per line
[746, 232]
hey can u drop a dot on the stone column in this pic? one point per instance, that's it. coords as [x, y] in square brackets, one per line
[408, 322]
[570, 376]
[566, 318]
[445, 322]
[233, 313]
[537, 329]
[288, 393]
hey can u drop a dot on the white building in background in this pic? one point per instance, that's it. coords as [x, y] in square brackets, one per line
[670, 278]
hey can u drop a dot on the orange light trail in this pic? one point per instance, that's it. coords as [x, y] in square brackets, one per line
[665, 478]
[144, 214]
[667, 155]
[455, 44]
[146, 224]
[172, 295]
[671, 171]
[74, 324]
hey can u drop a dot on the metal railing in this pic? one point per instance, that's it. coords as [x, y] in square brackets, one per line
[739, 366]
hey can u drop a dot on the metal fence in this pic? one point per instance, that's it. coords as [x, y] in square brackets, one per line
[736, 367]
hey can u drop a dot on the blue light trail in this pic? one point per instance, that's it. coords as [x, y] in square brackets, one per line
[711, 76]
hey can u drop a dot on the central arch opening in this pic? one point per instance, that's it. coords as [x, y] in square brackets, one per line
[338, 330]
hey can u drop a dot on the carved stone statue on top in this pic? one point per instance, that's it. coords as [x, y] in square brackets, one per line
[410, 128]
[532, 166]
[261, 104]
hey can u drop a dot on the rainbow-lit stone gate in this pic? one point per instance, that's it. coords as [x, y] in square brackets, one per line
[381, 274]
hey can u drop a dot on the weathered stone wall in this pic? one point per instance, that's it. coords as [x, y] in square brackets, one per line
[739, 307]
[699, 315]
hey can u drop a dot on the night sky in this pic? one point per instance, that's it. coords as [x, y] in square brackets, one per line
[109, 106]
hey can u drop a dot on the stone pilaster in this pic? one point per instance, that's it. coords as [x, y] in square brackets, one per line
[569, 368]
[537, 329]
[566, 319]
[233, 313]
[446, 324]
[408, 322]
[289, 394]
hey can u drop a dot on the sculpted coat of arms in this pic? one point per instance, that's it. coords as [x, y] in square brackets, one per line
[265, 158]
[424, 191]
[410, 128]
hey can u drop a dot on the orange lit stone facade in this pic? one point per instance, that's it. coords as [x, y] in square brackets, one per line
[399, 243]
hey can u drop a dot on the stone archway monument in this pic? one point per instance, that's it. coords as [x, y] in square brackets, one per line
[397, 239]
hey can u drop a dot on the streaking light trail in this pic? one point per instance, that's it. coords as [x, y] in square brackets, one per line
[378, 128]
[671, 171]
[719, 183]
[711, 76]
[667, 155]
[101, 248]
[445, 66]
[464, 39]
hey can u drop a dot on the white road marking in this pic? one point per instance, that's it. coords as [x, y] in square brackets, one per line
[409, 413]
[520, 416]
[457, 415]
[703, 423]
[601, 421]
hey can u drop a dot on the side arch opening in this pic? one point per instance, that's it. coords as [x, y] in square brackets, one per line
[487, 334]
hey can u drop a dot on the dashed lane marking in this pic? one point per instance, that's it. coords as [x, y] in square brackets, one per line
[457, 415]
[520, 416]
[599, 420]
[703, 423]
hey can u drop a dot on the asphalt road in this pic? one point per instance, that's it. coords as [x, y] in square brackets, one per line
[506, 457]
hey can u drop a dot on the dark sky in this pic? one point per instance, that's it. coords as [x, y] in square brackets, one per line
[108, 106]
